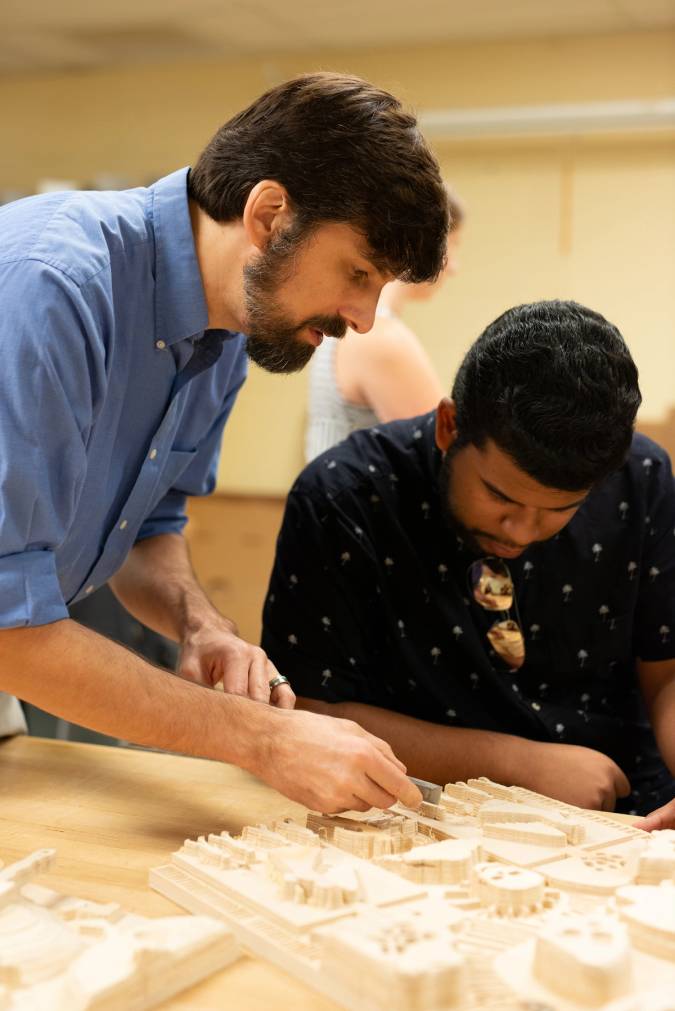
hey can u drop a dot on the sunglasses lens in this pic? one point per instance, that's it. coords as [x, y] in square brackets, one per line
[491, 584]
[508, 643]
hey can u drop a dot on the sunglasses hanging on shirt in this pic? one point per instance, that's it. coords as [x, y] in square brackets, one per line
[491, 587]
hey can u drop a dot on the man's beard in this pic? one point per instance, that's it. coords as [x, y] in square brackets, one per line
[273, 340]
[455, 526]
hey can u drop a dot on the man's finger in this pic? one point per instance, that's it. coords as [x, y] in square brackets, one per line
[375, 796]
[283, 697]
[235, 679]
[358, 804]
[386, 775]
[385, 750]
[258, 678]
[192, 672]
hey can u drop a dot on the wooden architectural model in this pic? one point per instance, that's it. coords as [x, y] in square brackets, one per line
[493, 898]
[59, 953]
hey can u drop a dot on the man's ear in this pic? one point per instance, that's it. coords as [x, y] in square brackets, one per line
[266, 212]
[446, 424]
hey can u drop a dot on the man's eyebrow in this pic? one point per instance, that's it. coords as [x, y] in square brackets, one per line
[373, 261]
[549, 509]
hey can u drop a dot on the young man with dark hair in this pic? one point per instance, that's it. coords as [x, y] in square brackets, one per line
[491, 587]
[127, 320]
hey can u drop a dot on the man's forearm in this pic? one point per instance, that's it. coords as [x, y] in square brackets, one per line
[328, 765]
[80, 676]
[157, 584]
[434, 752]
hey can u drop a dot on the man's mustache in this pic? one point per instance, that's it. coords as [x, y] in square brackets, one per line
[331, 326]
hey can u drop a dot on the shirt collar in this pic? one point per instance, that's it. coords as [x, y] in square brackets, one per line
[180, 303]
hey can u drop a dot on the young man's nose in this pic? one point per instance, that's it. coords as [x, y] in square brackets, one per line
[522, 527]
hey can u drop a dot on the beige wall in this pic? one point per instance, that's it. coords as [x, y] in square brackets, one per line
[592, 218]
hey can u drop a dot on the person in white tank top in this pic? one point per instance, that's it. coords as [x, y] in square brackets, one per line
[379, 376]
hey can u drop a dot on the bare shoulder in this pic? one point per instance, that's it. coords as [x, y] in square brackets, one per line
[388, 338]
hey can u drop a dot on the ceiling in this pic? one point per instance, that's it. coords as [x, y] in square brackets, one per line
[41, 35]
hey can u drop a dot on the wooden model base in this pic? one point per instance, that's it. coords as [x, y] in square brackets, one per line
[59, 953]
[494, 898]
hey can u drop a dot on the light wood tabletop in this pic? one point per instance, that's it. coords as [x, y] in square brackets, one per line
[112, 814]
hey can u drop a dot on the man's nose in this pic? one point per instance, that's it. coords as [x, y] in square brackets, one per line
[360, 316]
[522, 527]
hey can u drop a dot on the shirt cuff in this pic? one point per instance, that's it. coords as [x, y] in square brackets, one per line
[30, 593]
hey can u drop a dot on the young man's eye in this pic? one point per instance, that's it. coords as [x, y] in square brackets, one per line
[361, 276]
[498, 495]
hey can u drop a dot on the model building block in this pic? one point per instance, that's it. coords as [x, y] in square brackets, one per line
[657, 860]
[493, 899]
[649, 912]
[60, 953]
[587, 959]
[398, 959]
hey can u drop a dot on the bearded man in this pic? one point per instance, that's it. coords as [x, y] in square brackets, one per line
[127, 321]
[491, 587]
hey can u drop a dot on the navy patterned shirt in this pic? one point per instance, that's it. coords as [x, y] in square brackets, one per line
[368, 602]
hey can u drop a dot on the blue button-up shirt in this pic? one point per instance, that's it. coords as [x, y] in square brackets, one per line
[113, 395]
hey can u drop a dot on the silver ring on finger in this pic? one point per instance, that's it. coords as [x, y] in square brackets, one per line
[278, 680]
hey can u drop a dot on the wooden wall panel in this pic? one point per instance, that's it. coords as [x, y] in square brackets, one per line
[232, 540]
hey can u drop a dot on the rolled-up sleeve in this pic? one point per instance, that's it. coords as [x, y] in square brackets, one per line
[46, 384]
[169, 517]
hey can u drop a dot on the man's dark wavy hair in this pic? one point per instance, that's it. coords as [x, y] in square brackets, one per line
[346, 152]
[554, 386]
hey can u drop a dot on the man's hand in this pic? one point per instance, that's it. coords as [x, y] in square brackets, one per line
[332, 765]
[663, 817]
[214, 653]
[576, 775]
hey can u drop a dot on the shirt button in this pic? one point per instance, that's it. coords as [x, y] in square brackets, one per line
[90, 589]
[153, 454]
[160, 345]
[123, 524]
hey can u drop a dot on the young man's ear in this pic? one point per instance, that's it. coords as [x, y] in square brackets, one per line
[267, 211]
[446, 424]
